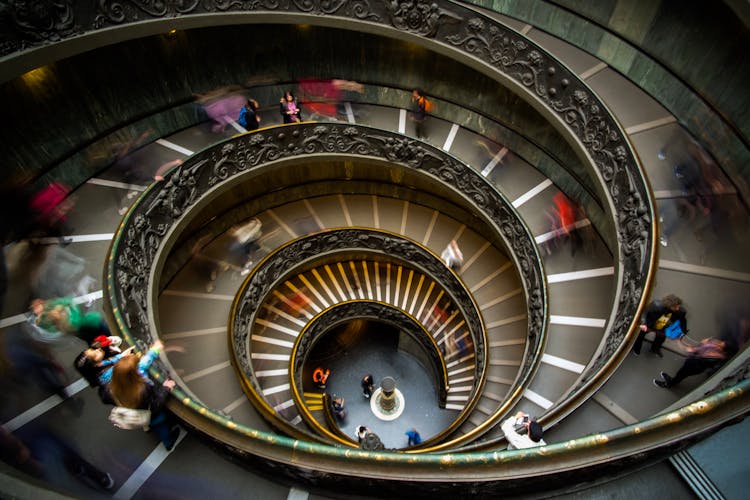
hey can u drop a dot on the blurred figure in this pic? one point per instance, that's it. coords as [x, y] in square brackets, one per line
[562, 219]
[452, 256]
[710, 354]
[222, 105]
[735, 330]
[362, 431]
[131, 387]
[338, 409]
[320, 377]
[204, 265]
[15, 453]
[245, 237]
[289, 108]
[49, 208]
[40, 450]
[249, 118]
[64, 316]
[349, 92]
[368, 385]
[31, 362]
[56, 272]
[321, 97]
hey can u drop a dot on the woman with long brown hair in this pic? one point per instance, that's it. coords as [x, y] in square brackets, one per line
[131, 387]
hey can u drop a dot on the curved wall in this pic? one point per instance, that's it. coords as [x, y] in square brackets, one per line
[152, 82]
[691, 59]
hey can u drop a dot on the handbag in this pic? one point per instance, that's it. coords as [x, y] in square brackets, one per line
[673, 330]
[129, 418]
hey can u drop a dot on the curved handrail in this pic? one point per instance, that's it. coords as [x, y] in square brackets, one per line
[360, 309]
[308, 251]
[374, 310]
[141, 244]
[568, 102]
[529, 470]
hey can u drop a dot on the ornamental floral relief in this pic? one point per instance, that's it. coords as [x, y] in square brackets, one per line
[361, 9]
[42, 20]
[422, 17]
[120, 11]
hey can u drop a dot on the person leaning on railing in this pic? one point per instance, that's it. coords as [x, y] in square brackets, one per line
[131, 387]
[514, 428]
[662, 315]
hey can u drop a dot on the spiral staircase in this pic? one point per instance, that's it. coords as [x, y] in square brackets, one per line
[355, 212]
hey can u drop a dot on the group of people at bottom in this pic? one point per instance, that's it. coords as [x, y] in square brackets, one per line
[121, 377]
[289, 107]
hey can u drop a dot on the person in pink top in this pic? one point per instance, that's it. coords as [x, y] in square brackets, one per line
[289, 108]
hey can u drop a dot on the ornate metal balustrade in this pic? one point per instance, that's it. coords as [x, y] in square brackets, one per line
[143, 241]
[454, 30]
[515, 61]
[331, 246]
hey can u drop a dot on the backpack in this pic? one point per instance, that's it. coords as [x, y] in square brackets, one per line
[242, 120]
[427, 105]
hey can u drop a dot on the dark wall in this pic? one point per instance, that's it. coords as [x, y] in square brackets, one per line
[690, 56]
[59, 110]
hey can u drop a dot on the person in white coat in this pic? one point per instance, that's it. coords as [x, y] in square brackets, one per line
[518, 441]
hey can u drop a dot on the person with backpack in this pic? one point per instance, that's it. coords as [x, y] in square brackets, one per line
[420, 107]
[249, 118]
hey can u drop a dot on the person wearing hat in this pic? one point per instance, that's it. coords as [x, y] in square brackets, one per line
[522, 431]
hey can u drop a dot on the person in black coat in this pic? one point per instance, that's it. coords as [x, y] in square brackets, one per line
[660, 314]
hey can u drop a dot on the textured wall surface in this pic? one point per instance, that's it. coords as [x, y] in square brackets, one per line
[150, 85]
[691, 59]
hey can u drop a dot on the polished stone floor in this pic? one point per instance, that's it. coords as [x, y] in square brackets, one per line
[376, 351]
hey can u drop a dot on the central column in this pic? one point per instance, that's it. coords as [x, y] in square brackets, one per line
[387, 400]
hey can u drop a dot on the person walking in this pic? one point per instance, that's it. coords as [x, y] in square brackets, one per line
[131, 387]
[710, 354]
[519, 422]
[64, 316]
[362, 431]
[368, 385]
[452, 256]
[419, 109]
[414, 437]
[249, 118]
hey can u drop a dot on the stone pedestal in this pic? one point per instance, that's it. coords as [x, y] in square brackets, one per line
[387, 400]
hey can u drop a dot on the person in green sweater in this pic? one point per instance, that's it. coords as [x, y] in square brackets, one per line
[64, 316]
